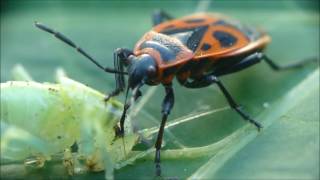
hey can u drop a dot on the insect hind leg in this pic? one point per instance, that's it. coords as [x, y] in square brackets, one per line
[244, 63]
[232, 102]
[295, 65]
[211, 79]
[258, 57]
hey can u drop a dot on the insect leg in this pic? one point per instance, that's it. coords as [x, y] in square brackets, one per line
[136, 94]
[160, 16]
[198, 83]
[210, 79]
[120, 57]
[231, 101]
[244, 63]
[167, 105]
[72, 44]
[298, 64]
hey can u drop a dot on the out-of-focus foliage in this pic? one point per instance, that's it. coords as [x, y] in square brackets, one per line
[288, 146]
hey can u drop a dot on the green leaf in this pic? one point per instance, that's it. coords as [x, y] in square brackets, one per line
[207, 122]
[291, 128]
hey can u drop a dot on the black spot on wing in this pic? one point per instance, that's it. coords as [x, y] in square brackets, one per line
[194, 40]
[205, 47]
[191, 37]
[225, 39]
[250, 33]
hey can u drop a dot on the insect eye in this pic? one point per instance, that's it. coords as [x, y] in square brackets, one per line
[151, 71]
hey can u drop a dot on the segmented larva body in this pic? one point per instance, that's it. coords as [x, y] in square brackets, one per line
[45, 119]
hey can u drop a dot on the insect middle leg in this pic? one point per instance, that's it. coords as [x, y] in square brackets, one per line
[212, 79]
[167, 105]
[160, 16]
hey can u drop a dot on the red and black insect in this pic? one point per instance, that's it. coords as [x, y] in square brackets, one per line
[196, 49]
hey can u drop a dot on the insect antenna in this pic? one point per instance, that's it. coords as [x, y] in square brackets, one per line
[72, 44]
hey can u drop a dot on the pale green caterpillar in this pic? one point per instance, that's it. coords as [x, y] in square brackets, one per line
[41, 120]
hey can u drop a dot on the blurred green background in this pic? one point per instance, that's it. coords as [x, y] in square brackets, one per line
[99, 27]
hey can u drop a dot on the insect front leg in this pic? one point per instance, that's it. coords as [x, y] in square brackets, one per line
[121, 59]
[167, 105]
[160, 16]
[136, 94]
